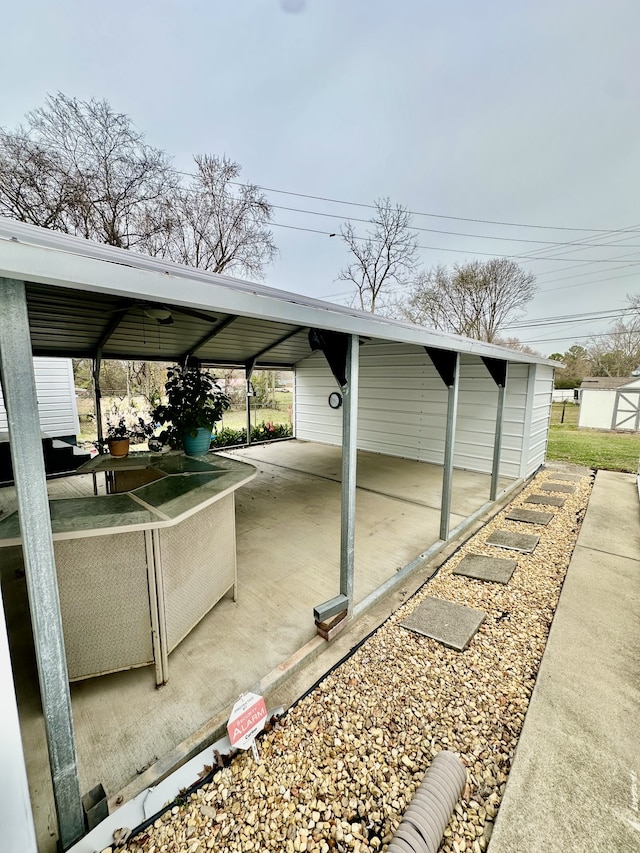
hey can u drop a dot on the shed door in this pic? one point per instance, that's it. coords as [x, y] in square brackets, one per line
[626, 414]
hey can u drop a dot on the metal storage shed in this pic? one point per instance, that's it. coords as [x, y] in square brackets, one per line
[408, 392]
[610, 403]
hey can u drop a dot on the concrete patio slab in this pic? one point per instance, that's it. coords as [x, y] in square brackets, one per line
[545, 500]
[493, 569]
[288, 545]
[529, 516]
[451, 624]
[523, 542]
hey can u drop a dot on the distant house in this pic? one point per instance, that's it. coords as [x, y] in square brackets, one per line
[611, 403]
[57, 407]
[58, 415]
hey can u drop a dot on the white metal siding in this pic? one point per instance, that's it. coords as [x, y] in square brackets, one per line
[402, 407]
[315, 420]
[515, 420]
[540, 417]
[57, 406]
[477, 406]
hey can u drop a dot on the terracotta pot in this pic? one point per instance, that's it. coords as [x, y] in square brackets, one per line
[118, 447]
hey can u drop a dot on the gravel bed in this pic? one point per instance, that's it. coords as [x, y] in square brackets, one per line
[339, 768]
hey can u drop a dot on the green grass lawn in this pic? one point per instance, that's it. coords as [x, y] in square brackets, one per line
[593, 448]
[237, 418]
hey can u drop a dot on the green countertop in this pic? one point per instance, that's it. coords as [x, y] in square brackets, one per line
[188, 485]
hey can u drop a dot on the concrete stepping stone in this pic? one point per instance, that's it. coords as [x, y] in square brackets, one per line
[523, 542]
[573, 478]
[451, 624]
[567, 488]
[547, 500]
[530, 516]
[479, 567]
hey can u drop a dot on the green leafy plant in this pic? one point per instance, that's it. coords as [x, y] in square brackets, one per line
[194, 400]
[128, 423]
[228, 437]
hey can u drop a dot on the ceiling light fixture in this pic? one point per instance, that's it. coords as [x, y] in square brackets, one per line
[160, 313]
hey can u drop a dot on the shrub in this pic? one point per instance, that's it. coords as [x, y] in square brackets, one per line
[228, 437]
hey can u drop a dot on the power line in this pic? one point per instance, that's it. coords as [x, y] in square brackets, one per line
[456, 251]
[435, 215]
[451, 233]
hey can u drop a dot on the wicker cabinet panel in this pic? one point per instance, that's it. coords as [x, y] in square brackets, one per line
[104, 599]
[198, 566]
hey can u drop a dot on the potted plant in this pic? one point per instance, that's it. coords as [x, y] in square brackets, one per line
[124, 428]
[195, 402]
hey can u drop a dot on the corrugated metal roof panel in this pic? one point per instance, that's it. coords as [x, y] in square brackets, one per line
[69, 273]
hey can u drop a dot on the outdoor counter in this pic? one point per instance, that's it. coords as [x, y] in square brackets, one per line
[137, 571]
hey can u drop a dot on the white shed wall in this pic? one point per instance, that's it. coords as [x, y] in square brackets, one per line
[403, 407]
[542, 384]
[57, 407]
[596, 408]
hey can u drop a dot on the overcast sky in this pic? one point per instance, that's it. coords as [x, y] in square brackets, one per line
[506, 110]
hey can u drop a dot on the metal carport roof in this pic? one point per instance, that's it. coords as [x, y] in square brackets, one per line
[86, 299]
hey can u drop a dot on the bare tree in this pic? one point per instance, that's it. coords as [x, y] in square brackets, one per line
[387, 256]
[80, 167]
[515, 344]
[215, 223]
[475, 299]
[617, 353]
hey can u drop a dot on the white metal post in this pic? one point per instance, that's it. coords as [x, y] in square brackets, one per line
[37, 545]
[349, 461]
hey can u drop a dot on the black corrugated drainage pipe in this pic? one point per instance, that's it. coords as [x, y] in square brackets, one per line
[424, 822]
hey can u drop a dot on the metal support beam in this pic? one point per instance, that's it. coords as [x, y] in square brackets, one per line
[37, 546]
[222, 325]
[96, 364]
[497, 444]
[498, 368]
[449, 446]
[248, 370]
[349, 457]
[528, 416]
[277, 343]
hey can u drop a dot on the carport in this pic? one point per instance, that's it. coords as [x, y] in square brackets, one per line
[433, 427]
